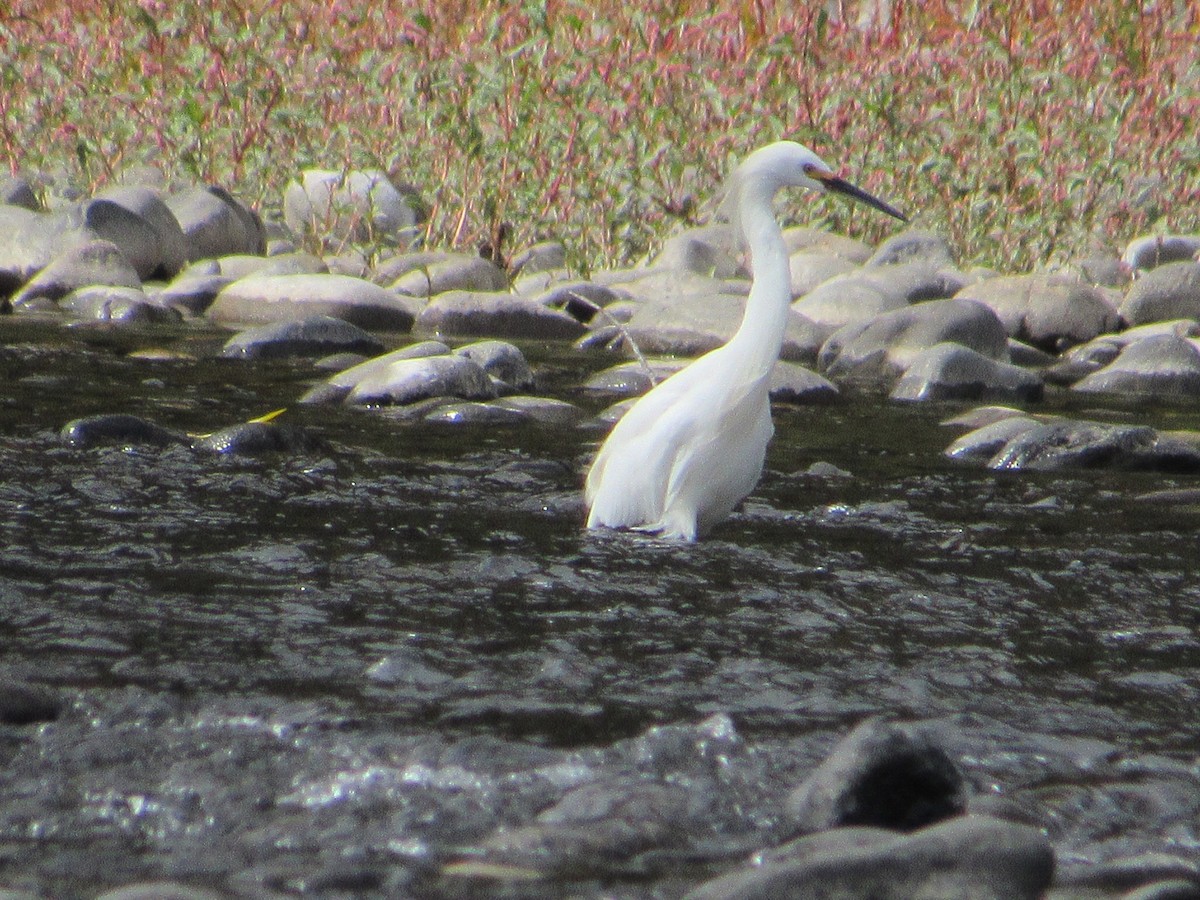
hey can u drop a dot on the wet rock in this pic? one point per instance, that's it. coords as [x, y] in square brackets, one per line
[1162, 366]
[1170, 291]
[314, 336]
[24, 704]
[251, 438]
[476, 413]
[289, 298]
[1047, 311]
[159, 890]
[1128, 873]
[632, 378]
[215, 223]
[119, 428]
[1081, 361]
[791, 383]
[710, 250]
[579, 299]
[452, 272]
[497, 315]
[167, 254]
[339, 385]
[951, 371]
[1087, 445]
[345, 206]
[883, 775]
[129, 306]
[877, 351]
[1153, 250]
[982, 444]
[193, 293]
[542, 257]
[502, 361]
[93, 263]
[967, 857]
[913, 245]
[545, 410]
[809, 269]
[406, 381]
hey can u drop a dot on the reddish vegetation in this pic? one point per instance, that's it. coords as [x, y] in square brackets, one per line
[1023, 131]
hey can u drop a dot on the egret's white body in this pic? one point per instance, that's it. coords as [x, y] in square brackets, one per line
[692, 448]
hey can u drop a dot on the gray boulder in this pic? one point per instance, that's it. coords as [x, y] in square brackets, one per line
[497, 315]
[882, 775]
[314, 336]
[809, 269]
[1064, 444]
[805, 238]
[451, 272]
[95, 262]
[631, 378]
[290, 298]
[878, 351]
[982, 444]
[579, 299]
[16, 190]
[791, 383]
[950, 371]
[966, 858]
[167, 253]
[124, 305]
[711, 250]
[215, 223]
[345, 206]
[1170, 291]
[502, 361]
[1161, 366]
[193, 293]
[243, 265]
[913, 245]
[408, 381]
[1048, 311]
[546, 256]
[1153, 250]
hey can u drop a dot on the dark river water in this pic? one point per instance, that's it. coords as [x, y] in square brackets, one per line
[333, 672]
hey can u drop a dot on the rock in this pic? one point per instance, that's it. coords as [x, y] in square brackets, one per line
[1170, 291]
[502, 361]
[966, 858]
[289, 298]
[809, 269]
[805, 238]
[394, 267]
[913, 245]
[633, 377]
[242, 265]
[345, 206]
[122, 429]
[1067, 444]
[167, 254]
[846, 300]
[159, 890]
[192, 293]
[315, 336]
[251, 438]
[544, 410]
[1047, 311]
[582, 300]
[29, 241]
[1153, 250]
[406, 381]
[791, 383]
[1162, 366]
[982, 444]
[883, 775]
[23, 704]
[214, 223]
[476, 413]
[710, 250]
[136, 237]
[543, 257]
[950, 371]
[1174, 889]
[1128, 873]
[879, 350]
[452, 272]
[128, 306]
[341, 382]
[1104, 269]
[93, 263]
[497, 315]
[18, 191]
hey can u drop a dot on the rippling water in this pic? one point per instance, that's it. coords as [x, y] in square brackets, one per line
[337, 670]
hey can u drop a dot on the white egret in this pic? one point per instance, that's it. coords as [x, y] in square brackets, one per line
[692, 448]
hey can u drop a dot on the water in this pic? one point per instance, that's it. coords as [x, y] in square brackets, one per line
[338, 671]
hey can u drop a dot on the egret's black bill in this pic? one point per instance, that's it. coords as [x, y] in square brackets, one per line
[845, 188]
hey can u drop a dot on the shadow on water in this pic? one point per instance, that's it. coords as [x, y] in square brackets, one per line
[273, 654]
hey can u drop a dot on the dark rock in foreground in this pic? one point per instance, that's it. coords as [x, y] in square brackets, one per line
[1090, 445]
[120, 428]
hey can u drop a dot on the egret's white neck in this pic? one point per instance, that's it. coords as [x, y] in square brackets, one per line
[758, 340]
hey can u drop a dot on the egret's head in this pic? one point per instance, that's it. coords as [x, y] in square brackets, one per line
[788, 164]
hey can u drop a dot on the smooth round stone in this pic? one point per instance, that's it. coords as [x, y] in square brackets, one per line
[475, 413]
[348, 378]
[805, 238]
[493, 314]
[315, 336]
[193, 293]
[215, 224]
[242, 265]
[455, 272]
[344, 206]
[984, 443]
[545, 410]
[880, 350]
[581, 300]
[913, 245]
[167, 254]
[502, 361]
[951, 371]
[632, 378]
[409, 380]
[120, 428]
[847, 300]
[791, 383]
[262, 299]
[1153, 250]
[93, 263]
[129, 306]
[1066, 444]
[546, 256]
[1161, 366]
[809, 269]
[1047, 311]
[710, 250]
[1170, 291]
[252, 438]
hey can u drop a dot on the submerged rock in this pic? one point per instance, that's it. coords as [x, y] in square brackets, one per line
[409, 380]
[250, 438]
[128, 306]
[1067, 444]
[120, 428]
